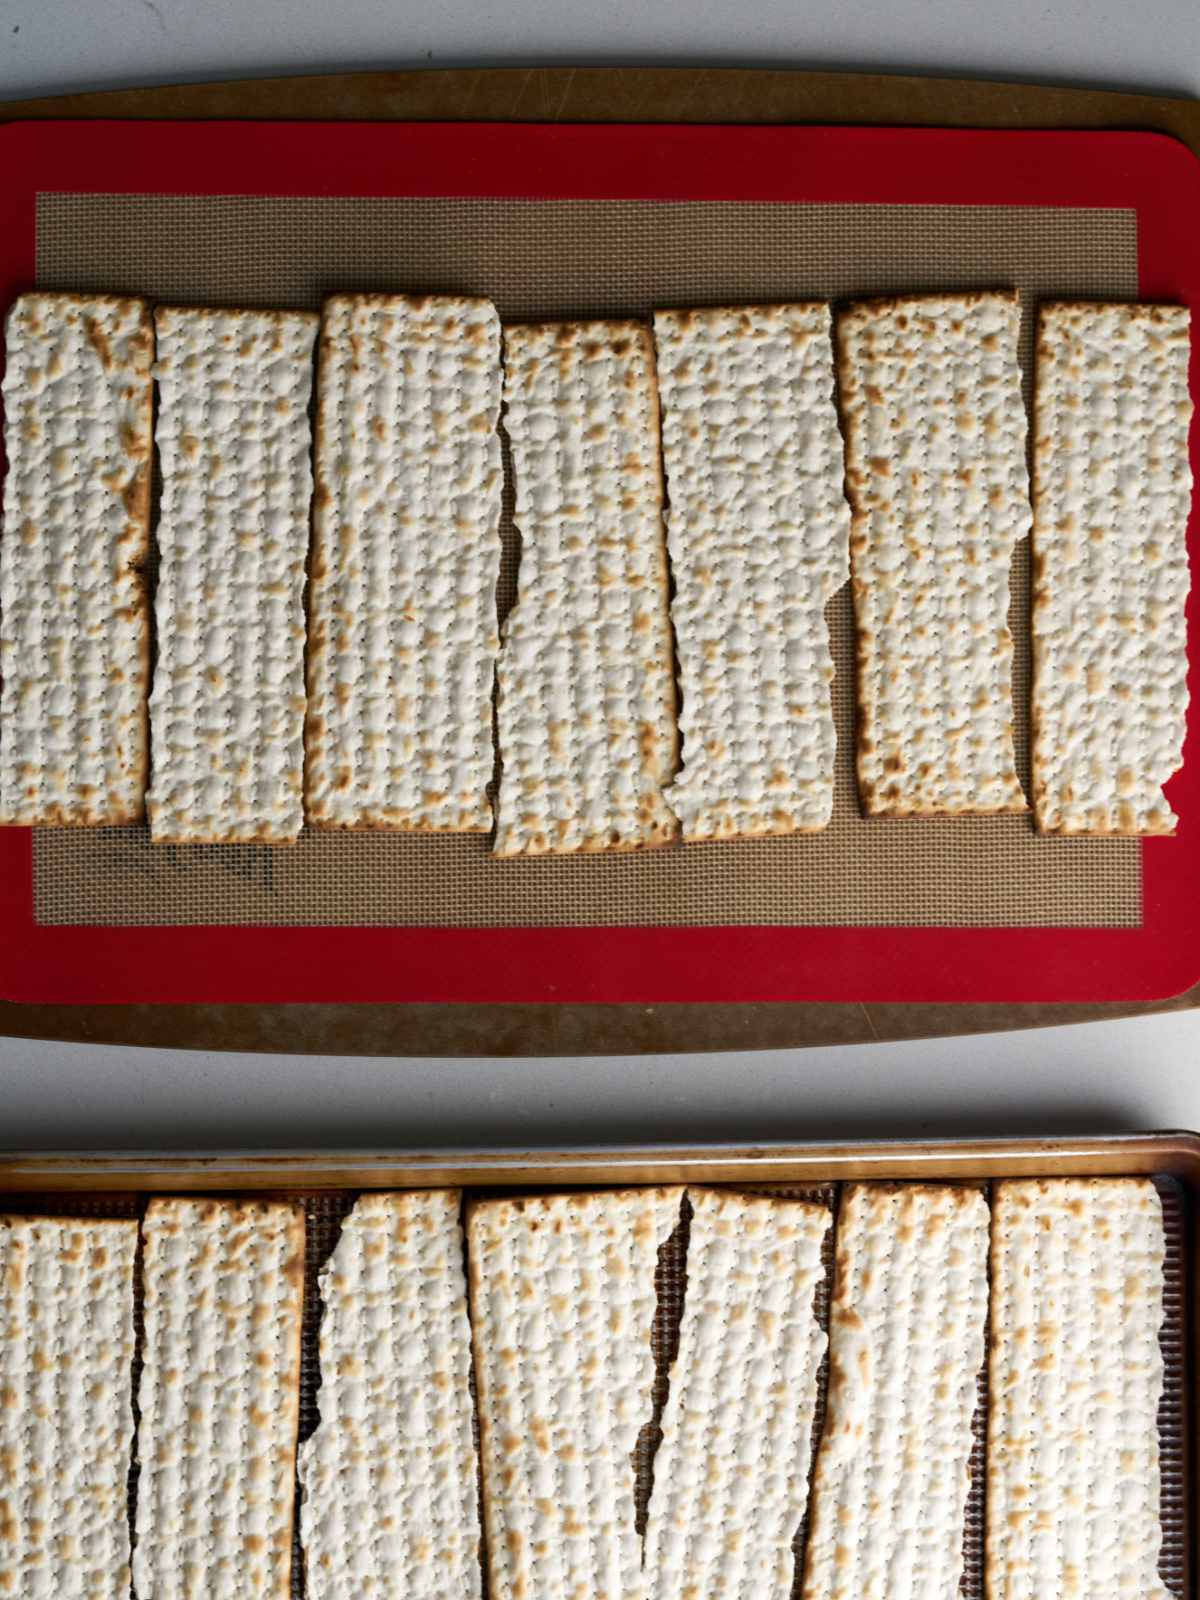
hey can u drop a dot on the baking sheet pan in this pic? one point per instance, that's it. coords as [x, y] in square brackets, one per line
[953, 910]
[594, 94]
[328, 1184]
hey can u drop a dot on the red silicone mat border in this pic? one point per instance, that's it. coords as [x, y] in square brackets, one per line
[1150, 173]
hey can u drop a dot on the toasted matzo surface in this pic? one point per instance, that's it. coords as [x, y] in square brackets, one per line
[562, 1305]
[743, 1394]
[586, 702]
[227, 708]
[66, 1414]
[402, 633]
[1112, 494]
[74, 617]
[1075, 1379]
[758, 531]
[219, 1398]
[389, 1477]
[930, 392]
[906, 1344]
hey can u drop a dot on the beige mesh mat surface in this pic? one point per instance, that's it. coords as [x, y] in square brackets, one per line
[326, 1211]
[541, 259]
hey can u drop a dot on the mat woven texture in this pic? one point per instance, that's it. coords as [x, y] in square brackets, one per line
[558, 259]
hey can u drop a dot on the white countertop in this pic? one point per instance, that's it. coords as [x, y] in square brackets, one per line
[48, 44]
[1100, 1077]
[1110, 1077]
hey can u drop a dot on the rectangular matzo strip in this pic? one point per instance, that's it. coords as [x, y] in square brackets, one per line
[758, 532]
[1112, 493]
[1075, 1379]
[66, 1407]
[74, 617]
[936, 476]
[586, 705]
[743, 1393]
[562, 1305]
[906, 1345]
[227, 709]
[219, 1399]
[389, 1477]
[406, 552]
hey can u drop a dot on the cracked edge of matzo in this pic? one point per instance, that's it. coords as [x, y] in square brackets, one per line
[785, 804]
[653, 1214]
[580, 348]
[399, 1258]
[88, 1466]
[848, 1539]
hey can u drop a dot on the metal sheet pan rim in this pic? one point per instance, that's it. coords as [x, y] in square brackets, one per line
[1172, 1151]
[81, 1183]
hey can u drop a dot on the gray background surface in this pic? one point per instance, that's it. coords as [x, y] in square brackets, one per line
[1097, 1077]
[1103, 1076]
[92, 44]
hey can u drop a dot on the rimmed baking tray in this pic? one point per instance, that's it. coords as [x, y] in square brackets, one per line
[119, 1185]
[612, 95]
[574, 221]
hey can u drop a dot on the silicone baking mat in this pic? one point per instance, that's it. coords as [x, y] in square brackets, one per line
[558, 222]
[548, 258]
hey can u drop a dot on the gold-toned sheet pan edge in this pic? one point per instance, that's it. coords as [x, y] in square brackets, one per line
[1175, 1153]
